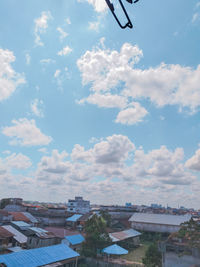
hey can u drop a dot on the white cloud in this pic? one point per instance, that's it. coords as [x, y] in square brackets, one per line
[63, 34]
[57, 73]
[9, 79]
[110, 71]
[65, 51]
[24, 132]
[47, 61]
[37, 107]
[94, 25]
[131, 115]
[99, 5]
[41, 25]
[68, 21]
[28, 59]
[194, 162]
[195, 17]
[18, 161]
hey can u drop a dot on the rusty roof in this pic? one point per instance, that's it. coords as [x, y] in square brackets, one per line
[5, 233]
[19, 216]
[122, 235]
[61, 232]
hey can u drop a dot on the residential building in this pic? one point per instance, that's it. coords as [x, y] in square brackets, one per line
[78, 205]
[20, 239]
[5, 217]
[58, 255]
[162, 223]
[129, 236]
[6, 238]
[74, 241]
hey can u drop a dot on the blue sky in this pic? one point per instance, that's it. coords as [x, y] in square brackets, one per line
[89, 109]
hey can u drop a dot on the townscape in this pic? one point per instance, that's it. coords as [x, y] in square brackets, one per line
[78, 233]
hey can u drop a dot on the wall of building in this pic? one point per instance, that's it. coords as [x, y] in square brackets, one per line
[172, 259]
[160, 228]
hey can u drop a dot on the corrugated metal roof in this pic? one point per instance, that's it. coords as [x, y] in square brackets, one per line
[19, 237]
[75, 239]
[21, 224]
[30, 217]
[122, 235]
[61, 232]
[165, 219]
[38, 230]
[4, 233]
[38, 256]
[19, 216]
[115, 250]
[74, 218]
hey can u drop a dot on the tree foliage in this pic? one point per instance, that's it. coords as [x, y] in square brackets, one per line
[106, 216]
[96, 236]
[153, 257]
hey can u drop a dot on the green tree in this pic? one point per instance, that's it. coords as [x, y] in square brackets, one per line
[153, 257]
[96, 236]
[105, 214]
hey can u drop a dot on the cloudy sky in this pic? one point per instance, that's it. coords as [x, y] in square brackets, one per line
[89, 109]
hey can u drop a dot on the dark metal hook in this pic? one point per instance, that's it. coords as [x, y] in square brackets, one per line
[112, 9]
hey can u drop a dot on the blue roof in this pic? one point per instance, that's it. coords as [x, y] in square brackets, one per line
[38, 256]
[75, 239]
[21, 223]
[115, 250]
[74, 218]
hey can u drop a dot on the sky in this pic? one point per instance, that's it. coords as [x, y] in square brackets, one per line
[88, 109]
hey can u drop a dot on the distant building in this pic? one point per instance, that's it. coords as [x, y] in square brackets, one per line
[162, 223]
[156, 206]
[12, 204]
[78, 205]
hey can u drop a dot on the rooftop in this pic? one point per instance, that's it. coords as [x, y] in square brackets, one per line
[75, 239]
[122, 235]
[39, 256]
[19, 237]
[74, 218]
[164, 219]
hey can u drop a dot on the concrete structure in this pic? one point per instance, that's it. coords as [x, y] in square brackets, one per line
[78, 205]
[162, 223]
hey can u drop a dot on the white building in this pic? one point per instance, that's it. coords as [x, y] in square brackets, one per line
[78, 205]
[162, 223]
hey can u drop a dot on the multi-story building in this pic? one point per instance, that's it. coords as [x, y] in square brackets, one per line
[78, 205]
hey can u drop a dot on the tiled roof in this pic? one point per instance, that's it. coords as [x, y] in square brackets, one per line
[39, 256]
[164, 219]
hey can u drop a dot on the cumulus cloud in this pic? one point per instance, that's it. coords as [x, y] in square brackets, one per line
[65, 51]
[41, 25]
[194, 162]
[18, 161]
[24, 132]
[9, 79]
[131, 115]
[110, 71]
[99, 5]
[37, 107]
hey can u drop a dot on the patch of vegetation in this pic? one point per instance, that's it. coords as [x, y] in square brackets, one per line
[153, 257]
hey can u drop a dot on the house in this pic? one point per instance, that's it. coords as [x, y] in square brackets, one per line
[58, 255]
[38, 237]
[162, 223]
[5, 217]
[25, 217]
[128, 237]
[6, 238]
[73, 220]
[20, 225]
[20, 239]
[61, 232]
[78, 205]
[74, 241]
